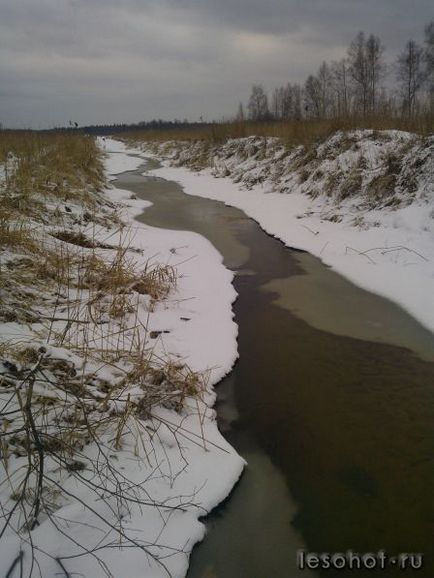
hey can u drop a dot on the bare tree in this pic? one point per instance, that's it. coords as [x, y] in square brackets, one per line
[319, 92]
[410, 75]
[353, 85]
[258, 103]
[296, 92]
[429, 59]
[359, 72]
[387, 104]
[366, 69]
[312, 96]
[326, 89]
[429, 46]
[341, 89]
[286, 102]
[277, 102]
[240, 114]
[375, 67]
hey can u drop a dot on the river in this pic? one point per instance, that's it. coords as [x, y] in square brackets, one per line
[331, 403]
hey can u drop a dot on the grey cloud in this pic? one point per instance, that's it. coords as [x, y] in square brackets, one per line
[281, 16]
[126, 60]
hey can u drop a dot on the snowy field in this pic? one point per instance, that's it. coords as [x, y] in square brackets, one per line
[132, 505]
[383, 241]
[172, 472]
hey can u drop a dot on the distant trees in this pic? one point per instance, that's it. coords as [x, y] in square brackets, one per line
[312, 96]
[286, 102]
[429, 43]
[325, 79]
[429, 60]
[354, 85]
[258, 103]
[366, 67]
[278, 102]
[341, 87]
[415, 69]
[411, 75]
[376, 69]
[240, 114]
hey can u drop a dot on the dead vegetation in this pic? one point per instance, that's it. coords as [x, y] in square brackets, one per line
[292, 132]
[373, 168]
[82, 372]
[58, 165]
[350, 185]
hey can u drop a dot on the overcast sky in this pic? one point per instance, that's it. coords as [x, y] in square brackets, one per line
[104, 61]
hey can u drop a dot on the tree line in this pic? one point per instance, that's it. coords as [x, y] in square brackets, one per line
[354, 85]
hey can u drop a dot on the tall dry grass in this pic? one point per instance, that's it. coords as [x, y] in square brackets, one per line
[84, 370]
[293, 132]
[57, 166]
[57, 153]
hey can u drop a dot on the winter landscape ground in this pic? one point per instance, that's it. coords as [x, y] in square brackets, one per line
[216, 288]
[362, 201]
[110, 452]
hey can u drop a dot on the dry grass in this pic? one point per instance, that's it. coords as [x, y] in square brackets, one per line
[53, 160]
[69, 289]
[55, 167]
[95, 288]
[351, 185]
[381, 186]
[83, 291]
[292, 132]
[15, 233]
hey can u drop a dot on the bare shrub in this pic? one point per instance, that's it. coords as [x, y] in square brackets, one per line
[86, 382]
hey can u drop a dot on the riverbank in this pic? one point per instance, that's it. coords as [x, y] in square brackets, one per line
[114, 361]
[203, 466]
[297, 386]
[363, 203]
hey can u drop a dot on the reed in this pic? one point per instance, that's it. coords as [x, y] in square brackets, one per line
[292, 132]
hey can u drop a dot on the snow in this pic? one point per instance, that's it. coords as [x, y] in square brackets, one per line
[187, 467]
[205, 292]
[118, 160]
[389, 252]
[202, 272]
[207, 341]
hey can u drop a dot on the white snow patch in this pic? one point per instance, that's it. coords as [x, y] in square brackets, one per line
[117, 160]
[186, 475]
[387, 251]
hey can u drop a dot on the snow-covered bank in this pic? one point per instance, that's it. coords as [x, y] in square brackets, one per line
[198, 328]
[131, 505]
[362, 202]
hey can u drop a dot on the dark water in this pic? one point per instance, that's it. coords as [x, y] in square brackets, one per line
[335, 419]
